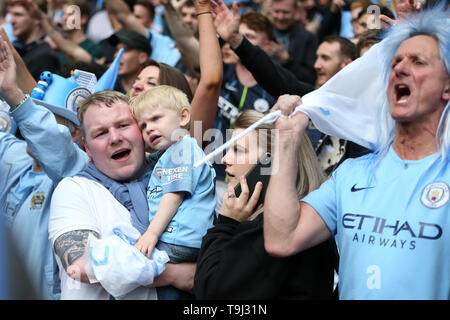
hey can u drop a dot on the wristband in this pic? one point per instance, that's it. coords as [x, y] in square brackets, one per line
[20, 103]
[205, 12]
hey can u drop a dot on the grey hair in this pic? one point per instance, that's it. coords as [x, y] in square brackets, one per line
[433, 22]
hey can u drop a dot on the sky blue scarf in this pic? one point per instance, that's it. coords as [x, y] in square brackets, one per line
[132, 195]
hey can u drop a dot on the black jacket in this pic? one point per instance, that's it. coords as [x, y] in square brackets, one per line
[233, 264]
[302, 52]
[38, 56]
[270, 74]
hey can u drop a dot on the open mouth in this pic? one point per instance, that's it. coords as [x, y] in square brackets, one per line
[402, 93]
[155, 139]
[120, 155]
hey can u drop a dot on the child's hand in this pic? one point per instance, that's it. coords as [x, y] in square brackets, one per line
[146, 244]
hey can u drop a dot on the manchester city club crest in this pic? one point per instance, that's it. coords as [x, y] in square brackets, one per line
[37, 200]
[261, 105]
[435, 195]
[75, 96]
[158, 172]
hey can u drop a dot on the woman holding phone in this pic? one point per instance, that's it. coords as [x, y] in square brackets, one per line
[233, 263]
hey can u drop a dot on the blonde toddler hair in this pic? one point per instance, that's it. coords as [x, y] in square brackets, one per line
[163, 96]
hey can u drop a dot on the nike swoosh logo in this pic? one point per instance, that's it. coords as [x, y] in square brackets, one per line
[230, 87]
[353, 189]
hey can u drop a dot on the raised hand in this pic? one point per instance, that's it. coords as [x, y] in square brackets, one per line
[7, 65]
[8, 83]
[177, 4]
[225, 21]
[290, 127]
[403, 9]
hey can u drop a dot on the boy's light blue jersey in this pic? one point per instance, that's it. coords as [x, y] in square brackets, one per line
[174, 173]
[392, 230]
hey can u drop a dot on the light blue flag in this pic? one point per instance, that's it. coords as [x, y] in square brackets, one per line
[108, 79]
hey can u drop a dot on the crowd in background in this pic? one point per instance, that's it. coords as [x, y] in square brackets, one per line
[230, 60]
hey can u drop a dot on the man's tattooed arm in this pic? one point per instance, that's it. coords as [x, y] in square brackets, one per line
[70, 246]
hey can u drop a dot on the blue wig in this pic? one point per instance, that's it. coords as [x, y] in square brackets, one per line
[434, 22]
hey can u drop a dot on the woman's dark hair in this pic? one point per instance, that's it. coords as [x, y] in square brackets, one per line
[172, 77]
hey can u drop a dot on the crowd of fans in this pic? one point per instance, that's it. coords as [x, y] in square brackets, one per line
[69, 175]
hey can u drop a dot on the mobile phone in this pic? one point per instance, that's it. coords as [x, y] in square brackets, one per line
[261, 171]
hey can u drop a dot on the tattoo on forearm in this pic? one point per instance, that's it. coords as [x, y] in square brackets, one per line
[71, 245]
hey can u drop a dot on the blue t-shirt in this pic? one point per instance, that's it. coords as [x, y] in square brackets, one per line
[392, 229]
[174, 173]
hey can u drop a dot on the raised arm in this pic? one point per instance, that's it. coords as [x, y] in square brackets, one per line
[25, 80]
[68, 47]
[204, 103]
[9, 90]
[120, 10]
[50, 143]
[280, 80]
[290, 226]
[187, 43]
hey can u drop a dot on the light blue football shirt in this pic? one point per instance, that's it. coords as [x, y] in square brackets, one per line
[25, 195]
[174, 173]
[392, 230]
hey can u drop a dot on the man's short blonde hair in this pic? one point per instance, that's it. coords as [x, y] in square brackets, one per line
[161, 96]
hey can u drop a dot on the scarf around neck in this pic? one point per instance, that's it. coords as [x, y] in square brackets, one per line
[132, 194]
